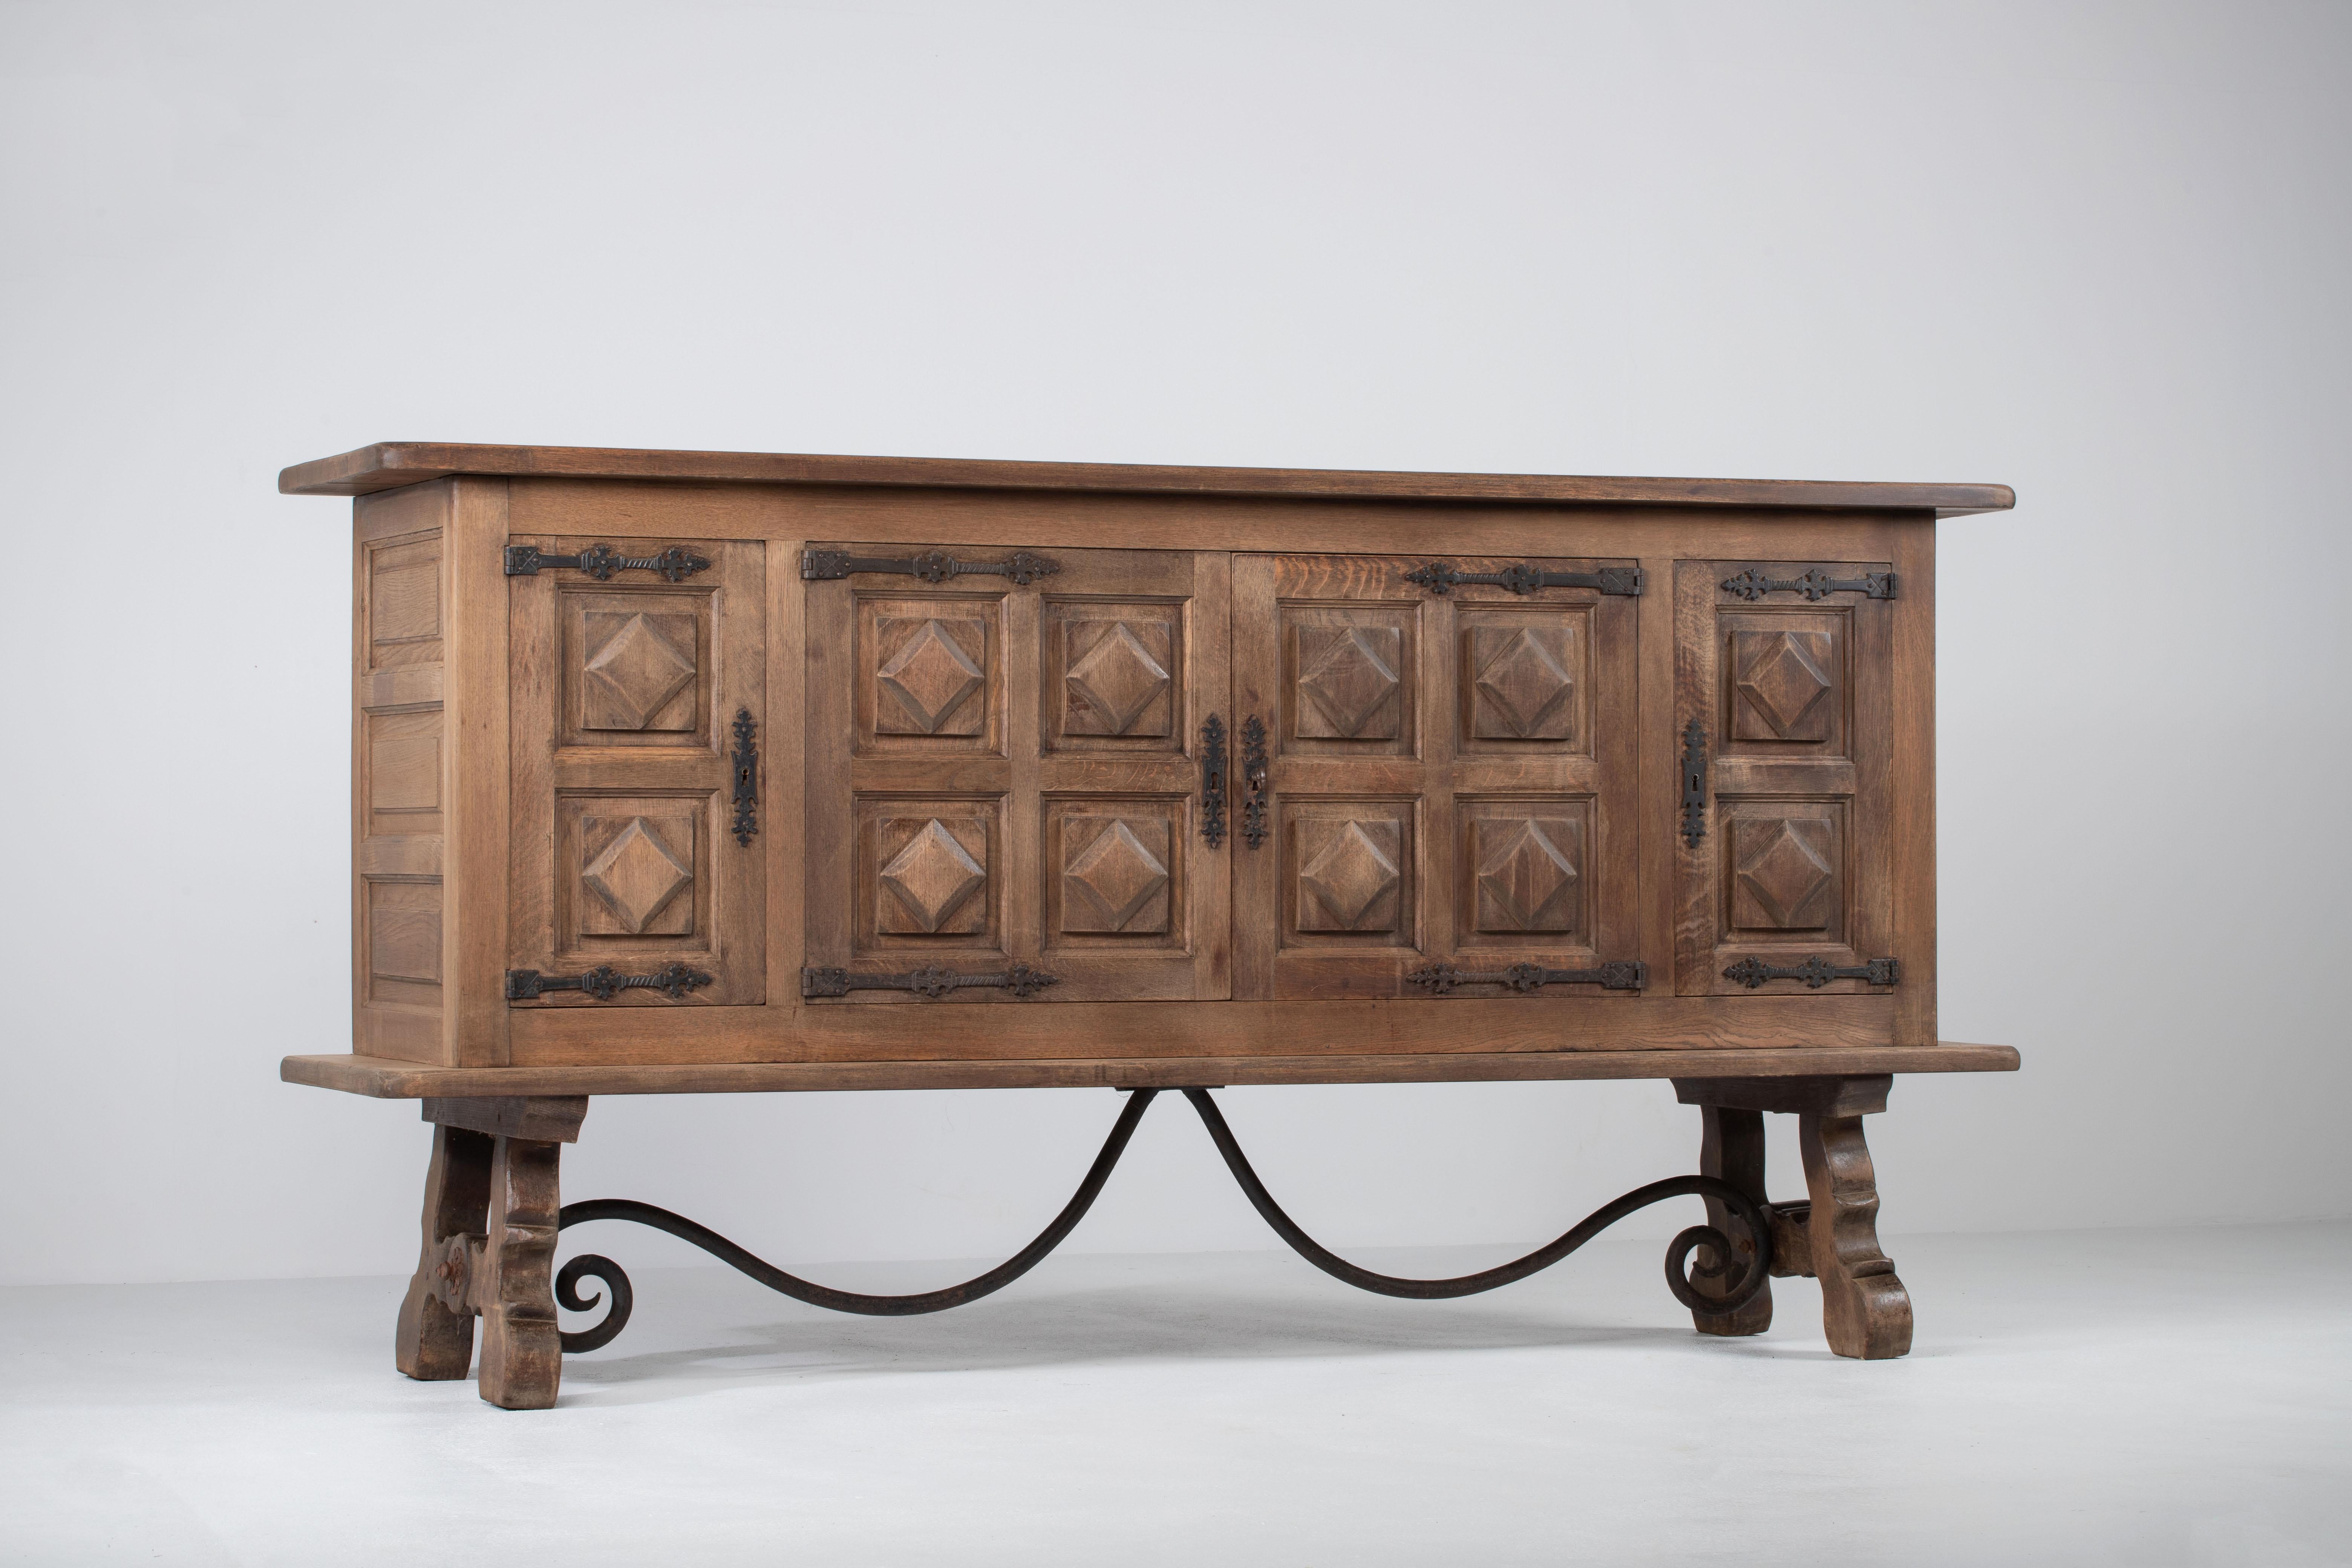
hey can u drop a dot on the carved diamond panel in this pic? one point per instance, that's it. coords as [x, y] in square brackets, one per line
[639, 673]
[1524, 691]
[929, 680]
[1347, 684]
[638, 878]
[1116, 875]
[1526, 873]
[1348, 876]
[1786, 874]
[1118, 681]
[1784, 684]
[930, 882]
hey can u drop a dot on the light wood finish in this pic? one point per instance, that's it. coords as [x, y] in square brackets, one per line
[544, 1119]
[413, 1080]
[1731, 1149]
[389, 465]
[435, 1341]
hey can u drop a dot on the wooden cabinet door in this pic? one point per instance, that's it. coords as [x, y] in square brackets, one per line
[631, 695]
[1447, 799]
[1784, 717]
[1004, 779]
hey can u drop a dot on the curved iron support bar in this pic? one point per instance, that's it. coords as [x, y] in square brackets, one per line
[1757, 1249]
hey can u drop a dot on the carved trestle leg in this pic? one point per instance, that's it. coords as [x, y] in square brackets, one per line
[1832, 1236]
[1731, 1149]
[1866, 1311]
[492, 1203]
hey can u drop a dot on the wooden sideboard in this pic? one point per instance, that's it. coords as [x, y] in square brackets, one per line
[710, 772]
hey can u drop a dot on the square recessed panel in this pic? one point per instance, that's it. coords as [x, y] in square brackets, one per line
[1114, 675]
[1348, 872]
[1784, 870]
[1784, 684]
[633, 873]
[1525, 873]
[1350, 676]
[1524, 679]
[635, 665]
[929, 674]
[1114, 873]
[928, 874]
[404, 943]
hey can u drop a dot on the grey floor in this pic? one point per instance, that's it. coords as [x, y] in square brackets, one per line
[2128, 1397]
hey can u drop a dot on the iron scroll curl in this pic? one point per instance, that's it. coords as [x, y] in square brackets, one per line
[1685, 1265]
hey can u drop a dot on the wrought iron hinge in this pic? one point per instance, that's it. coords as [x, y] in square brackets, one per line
[746, 760]
[931, 981]
[1253, 780]
[931, 566]
[1815, 971]
[673, 979]
[1812, 583]
[1694, 783]
[1525, 577]
[1213, 782]
[1439, 979]
[675, 564]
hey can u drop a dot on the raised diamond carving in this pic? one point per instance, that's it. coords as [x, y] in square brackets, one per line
[1784, 681]
[641, 662]
[928, 881]
[1350, 875]
[926, 688]
[636, 875]
[1113, 881]
[1523, 683]
[1347, 677]
[1526, 875]
[1115, 685]
[1785, 874]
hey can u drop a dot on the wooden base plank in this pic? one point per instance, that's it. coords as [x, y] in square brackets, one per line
[384, 1079]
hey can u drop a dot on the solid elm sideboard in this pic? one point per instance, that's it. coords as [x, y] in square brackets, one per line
[704, 773]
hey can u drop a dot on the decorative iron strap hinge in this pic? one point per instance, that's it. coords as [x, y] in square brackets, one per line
[746, 762]
[1812, 583]
[1694, 783]
[673, 979]
[1253, 782]
[931, 566]
[1815, 971]
[931, 981]
[1439, 979]
[1213, 782]
[675, 564]
[1525, 577]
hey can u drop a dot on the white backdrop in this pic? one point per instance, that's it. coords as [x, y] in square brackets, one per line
[2093, 251]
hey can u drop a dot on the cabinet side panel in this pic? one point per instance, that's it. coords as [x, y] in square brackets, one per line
[474, 930]
[400, 763]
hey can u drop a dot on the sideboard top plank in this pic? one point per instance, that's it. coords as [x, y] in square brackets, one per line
[385, 1079]
[387, 465]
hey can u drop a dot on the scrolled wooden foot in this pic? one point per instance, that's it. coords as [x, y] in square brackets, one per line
[1866, 1311]
[435, 1341]
[1731, 1148]
[522, 1348]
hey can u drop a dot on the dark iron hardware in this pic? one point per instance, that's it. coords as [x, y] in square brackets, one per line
[1738, 1268]
[931, 566]
[673, 979]
[746, 760]
[1694, 783]
[1815, 971]
[1439, 978]
[931, 981]
[1253, 782]
[675, 564]
[1812, 583]
[1525, 577]
[1213, 782]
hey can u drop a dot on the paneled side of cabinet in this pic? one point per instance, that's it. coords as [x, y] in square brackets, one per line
[1004, 793]
[636, 867]
[1445, 805]
[1785, 714]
